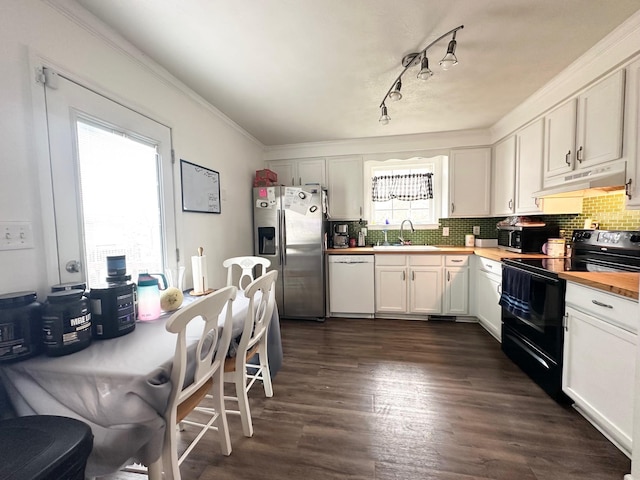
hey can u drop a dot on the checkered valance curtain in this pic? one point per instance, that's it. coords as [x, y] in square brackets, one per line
[414, 186]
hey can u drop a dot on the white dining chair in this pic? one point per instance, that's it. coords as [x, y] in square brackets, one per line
[248, 267]
[237, 370]
[208, 359]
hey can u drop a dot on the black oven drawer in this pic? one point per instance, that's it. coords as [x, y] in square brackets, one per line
[542, 369]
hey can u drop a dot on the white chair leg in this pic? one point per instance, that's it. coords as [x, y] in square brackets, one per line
[221, 422]
[170, 453]
[154, 471]
[243, 403]
[266, 373]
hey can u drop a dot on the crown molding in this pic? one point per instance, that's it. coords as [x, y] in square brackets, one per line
[387, 144]
[613, 51]
[87, 21]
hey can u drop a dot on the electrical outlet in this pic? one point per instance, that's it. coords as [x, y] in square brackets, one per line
[445, 231]
[476, 230]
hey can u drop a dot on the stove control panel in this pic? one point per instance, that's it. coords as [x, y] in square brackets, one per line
[604, 238]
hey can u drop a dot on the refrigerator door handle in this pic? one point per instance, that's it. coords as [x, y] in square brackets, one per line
[279, 222]
[283, 244]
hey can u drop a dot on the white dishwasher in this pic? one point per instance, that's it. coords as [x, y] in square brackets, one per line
[351, 291]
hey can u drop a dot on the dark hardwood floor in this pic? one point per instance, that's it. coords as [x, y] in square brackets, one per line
[404, 400]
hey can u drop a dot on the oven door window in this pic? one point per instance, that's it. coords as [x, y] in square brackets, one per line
[543, 327]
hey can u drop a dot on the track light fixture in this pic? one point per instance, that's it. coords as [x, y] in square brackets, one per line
[420, 58]
[384, 118]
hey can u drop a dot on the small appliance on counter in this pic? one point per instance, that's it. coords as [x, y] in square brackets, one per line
[341, 236]
[113, 304]
[523, 238]
[20, 326]
[66, 323]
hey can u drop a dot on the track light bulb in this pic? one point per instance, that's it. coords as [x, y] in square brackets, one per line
[384, 118]
[449, 60]
[425, 72]
[395, 94]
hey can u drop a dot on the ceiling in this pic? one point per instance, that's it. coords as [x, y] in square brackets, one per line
[294, 71]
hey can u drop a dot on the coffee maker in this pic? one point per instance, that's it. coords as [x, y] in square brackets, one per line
[341, 236]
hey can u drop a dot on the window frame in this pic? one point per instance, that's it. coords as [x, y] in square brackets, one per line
[407, 161]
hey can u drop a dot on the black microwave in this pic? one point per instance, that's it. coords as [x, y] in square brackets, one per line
[524, 239]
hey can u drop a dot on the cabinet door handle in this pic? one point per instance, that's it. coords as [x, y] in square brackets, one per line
[499, 288]
[489, 266]
[537, 202]
[627, 189]
[565, 321]
[567, 158]
[453, 260]
[453, 208]
[404, 277]
[361, 211]
[579, 155]
[413, 275]
[293, 181]
[600, 304]
[448, 276]
[511, 204]
[299, 180]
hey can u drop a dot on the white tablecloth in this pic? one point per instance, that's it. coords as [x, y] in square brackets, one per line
[118, 386]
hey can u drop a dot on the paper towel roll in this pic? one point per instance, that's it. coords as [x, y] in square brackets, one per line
[199, 271]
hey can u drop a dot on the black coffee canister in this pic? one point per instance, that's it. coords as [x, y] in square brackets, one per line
[20, 326]
[66, 323]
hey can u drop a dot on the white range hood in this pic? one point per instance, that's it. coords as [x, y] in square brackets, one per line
[604, 178]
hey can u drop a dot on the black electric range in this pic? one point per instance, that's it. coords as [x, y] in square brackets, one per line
[533, 300]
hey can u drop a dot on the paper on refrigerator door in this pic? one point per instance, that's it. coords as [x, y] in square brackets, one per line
[199, 272]
[297, 200]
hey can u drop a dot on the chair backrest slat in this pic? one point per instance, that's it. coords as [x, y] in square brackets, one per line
[247, 265]
[208, 309]
[261, 294]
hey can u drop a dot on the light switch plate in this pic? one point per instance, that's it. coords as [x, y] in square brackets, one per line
[15, 235]
[445, 231]
[476, 230]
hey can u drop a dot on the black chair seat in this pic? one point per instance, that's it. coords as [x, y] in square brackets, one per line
[43, 447]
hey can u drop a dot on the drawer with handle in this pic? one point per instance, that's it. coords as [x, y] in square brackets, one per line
[456, 260]
[614, 309]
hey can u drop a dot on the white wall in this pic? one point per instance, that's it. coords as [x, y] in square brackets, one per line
[32, 29]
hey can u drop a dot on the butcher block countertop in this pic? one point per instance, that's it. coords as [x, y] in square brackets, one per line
[619, 283]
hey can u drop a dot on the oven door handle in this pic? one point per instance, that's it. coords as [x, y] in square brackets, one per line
[536, 275]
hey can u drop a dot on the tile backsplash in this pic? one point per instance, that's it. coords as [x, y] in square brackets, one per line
[607, 210]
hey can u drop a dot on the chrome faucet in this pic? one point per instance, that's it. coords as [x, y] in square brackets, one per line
[401, 238]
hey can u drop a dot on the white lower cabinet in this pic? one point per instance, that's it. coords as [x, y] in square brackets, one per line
[422, 284]
[409, 284]
[456, 285]
[488, 280]
[599, 360]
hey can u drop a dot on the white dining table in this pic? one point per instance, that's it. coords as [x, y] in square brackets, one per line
[119, 387]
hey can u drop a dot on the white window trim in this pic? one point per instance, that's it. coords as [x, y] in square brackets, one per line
[411, 159]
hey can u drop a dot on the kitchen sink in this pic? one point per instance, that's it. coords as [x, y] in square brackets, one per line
[411, 248]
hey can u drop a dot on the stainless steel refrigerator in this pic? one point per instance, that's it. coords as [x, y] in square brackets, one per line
[289, 230]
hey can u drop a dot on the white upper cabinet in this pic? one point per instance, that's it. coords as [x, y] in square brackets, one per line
[345, 183]
[632, 138]
[600, 113]
[470, 182]
[586, 130]
[504, 175]
[529, 151]
[560, 139]
[299, 172]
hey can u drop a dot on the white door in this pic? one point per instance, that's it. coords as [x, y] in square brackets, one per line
[559, 139]
[470, 182]
[425, 291]
[112, 184]
[391, 289]
[457, 291]
[530, 148]
[504, 175]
